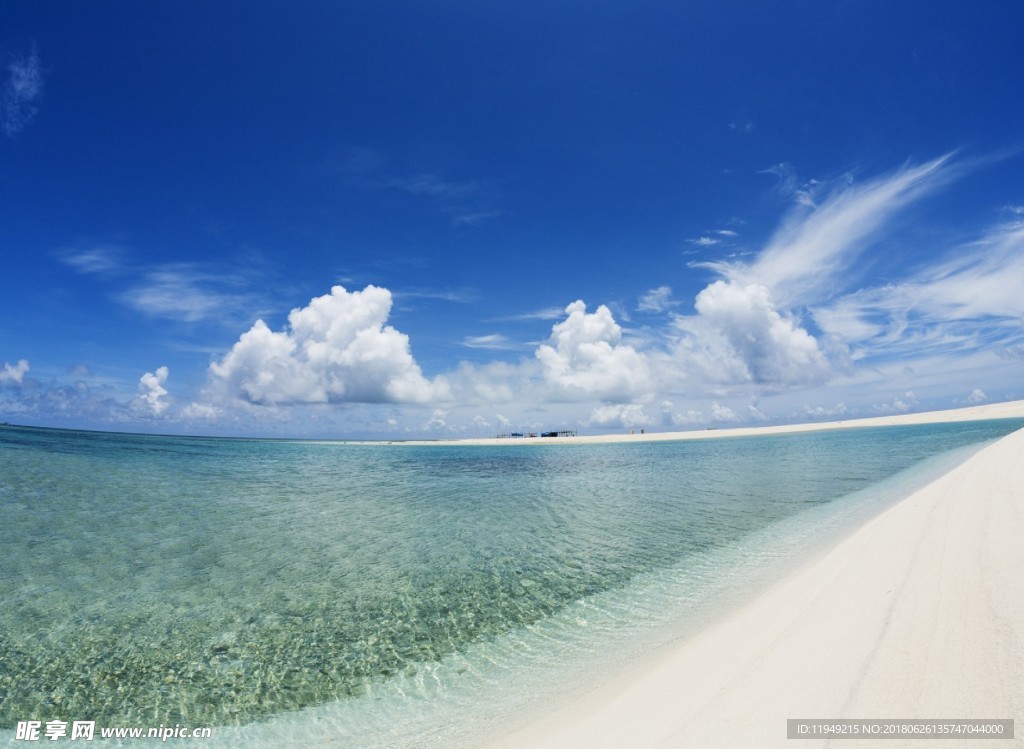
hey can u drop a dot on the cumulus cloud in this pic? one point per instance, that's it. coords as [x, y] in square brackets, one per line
[977, 396]
[738, 336]
[669, 417]
[152, 398]
[438, 420]
[820, 412]
[336, 349]
[722, 413]
[201, 412]
[901, 404]
[620, 415]
[748, 329]
[23, 88]
[13, 373]
[585, 357]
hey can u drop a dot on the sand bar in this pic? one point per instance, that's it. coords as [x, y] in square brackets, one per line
[1008, 410]
[917, 614]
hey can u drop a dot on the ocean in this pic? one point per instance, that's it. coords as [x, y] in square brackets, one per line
[288, 593]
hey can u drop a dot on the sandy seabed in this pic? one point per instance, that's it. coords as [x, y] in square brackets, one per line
[917, 614]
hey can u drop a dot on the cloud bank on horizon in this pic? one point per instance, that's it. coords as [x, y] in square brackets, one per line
[792, 319]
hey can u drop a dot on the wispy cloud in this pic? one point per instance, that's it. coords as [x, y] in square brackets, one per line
[431, 186]
[184, 292]
[473, 218]
[467, 202]
[657, 300]
[786, 178]
[23, 87]
[546, 313]
[712, 238]
[704, 241]
[971, 299]
[180, 292]
[493, 341]
[815, 246]
[459, 296]
[98, 260]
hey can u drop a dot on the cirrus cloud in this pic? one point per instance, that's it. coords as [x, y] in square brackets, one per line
[22, 89]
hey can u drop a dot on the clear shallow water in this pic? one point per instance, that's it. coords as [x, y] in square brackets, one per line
[377, 589]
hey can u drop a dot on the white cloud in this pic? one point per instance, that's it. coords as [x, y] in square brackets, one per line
[152, 399]
[547, 313]
[977, 396]
[669, 418]
[185, 292]
[747, 332]
[467, 202]
[739, 336]
[755, 412]
[181, 292]
[620, 416]
[461, 296]
[704, 241]
[722, 413]
[431, 186]
[969, 300]
[22, 89]
[493, 341]
[899, 405]
[785, 173]
[820, 412]
[657, 300]
[809, 257]
[102, 260]
[201, 412]
[585, 358]
[14, 373]
[1015, 351]
[336, 349]
[438, 420]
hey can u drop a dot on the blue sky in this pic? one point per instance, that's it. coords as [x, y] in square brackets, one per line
[392, 219]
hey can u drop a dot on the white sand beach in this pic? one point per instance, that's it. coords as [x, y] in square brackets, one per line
[1008, 410]
[917, 614]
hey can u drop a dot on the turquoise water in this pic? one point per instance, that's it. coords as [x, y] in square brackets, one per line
[375, 595]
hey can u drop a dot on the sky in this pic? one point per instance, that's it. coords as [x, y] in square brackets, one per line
[399, 219]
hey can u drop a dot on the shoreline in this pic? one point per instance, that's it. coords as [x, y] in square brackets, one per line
[919, 613]
[982, 412]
